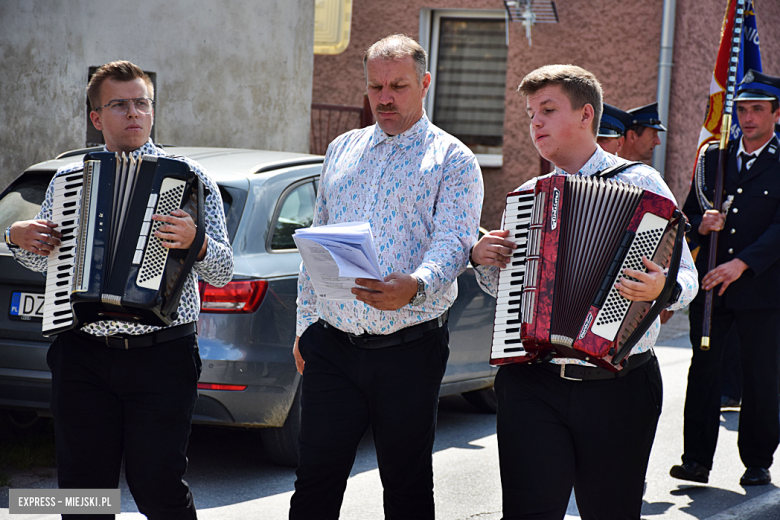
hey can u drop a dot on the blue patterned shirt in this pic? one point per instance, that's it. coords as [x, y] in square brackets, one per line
[421, 191]
[216, 268]
[646, 178]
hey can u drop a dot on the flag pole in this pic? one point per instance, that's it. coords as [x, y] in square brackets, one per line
[725, 131]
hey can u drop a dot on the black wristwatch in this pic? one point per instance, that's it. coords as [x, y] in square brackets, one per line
[7, 237]
[419, 297]
[471, 258]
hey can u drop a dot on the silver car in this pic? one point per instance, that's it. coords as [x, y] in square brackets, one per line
[247, 328]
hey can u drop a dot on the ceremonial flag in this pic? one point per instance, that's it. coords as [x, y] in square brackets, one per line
[749, 58]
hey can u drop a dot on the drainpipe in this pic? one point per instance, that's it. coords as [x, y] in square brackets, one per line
[665, 80]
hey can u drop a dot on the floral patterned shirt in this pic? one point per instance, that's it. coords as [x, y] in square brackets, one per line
[421, 191]
[646, 178]
[216, 268]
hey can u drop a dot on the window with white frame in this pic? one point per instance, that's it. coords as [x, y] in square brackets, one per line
[468, 61]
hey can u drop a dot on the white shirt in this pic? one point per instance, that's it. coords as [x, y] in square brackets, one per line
[755, 153]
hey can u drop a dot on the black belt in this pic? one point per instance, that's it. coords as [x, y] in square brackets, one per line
[372, 341]
[585, 373]
[129, 341]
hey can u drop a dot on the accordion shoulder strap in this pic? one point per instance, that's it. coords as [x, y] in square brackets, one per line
[608, 173]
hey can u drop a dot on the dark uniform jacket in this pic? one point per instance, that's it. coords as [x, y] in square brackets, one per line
[752, 229]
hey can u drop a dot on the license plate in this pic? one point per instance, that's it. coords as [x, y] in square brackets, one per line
[27, 306]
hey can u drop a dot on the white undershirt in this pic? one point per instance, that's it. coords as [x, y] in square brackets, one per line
[755, 153]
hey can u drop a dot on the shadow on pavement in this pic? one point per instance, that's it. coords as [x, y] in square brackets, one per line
[229, 466]
[708, 501]
[730, 420]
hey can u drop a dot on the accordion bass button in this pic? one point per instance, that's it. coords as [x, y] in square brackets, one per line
[731, 251]
[733, 231]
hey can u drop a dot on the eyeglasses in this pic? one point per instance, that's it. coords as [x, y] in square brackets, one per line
[121, 107]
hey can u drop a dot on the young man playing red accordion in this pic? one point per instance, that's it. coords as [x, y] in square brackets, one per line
[567, 427]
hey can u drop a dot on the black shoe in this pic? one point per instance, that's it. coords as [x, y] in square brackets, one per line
[728, 403]
[691, 471]
[755, 477]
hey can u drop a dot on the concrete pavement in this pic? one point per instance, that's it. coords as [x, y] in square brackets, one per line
[232, 479]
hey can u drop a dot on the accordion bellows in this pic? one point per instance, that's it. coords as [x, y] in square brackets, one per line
[109, 264]
[576, 236]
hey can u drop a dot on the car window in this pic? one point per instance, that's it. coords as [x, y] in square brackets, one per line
[297, 212]
[233, 200]
[23, 199]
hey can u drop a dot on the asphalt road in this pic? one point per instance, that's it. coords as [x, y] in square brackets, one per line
[232, 479]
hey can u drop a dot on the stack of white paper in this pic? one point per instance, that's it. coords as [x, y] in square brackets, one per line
[335, 255]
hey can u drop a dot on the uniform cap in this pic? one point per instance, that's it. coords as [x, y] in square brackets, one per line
[613, 121]
[647, 116]
[756, 86]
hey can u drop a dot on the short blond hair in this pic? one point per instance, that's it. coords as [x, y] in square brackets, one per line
[580, 87]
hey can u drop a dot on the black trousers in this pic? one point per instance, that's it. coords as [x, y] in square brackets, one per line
[759, 425]
[594, 436]
[136, 403]
[346, 388]
[731, 368]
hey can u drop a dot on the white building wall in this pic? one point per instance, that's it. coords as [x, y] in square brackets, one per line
[236, 74]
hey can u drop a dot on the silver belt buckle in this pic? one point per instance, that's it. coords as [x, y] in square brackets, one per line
[563, 373]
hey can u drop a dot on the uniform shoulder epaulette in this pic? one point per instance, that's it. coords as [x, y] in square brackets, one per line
[715, 145]
[709, 148]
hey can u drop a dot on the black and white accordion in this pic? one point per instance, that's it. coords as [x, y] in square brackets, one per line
[109, 264]
[575, 237]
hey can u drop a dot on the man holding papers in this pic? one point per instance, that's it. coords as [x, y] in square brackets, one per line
[336, 255]
[379, 359]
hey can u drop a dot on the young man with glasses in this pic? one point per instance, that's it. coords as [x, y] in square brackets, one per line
[123, 390]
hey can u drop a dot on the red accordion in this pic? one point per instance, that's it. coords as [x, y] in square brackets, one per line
[576, 236]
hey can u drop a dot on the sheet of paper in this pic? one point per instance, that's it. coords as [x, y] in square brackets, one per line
[351, 260]
[337, 254]
[324, 271]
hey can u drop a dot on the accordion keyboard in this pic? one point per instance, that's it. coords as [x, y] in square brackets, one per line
[506, 327]
[57, 312]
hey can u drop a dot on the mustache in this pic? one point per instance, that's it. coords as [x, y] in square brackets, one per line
[386, 108]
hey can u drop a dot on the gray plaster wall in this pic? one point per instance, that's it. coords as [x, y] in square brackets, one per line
[229, 73]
